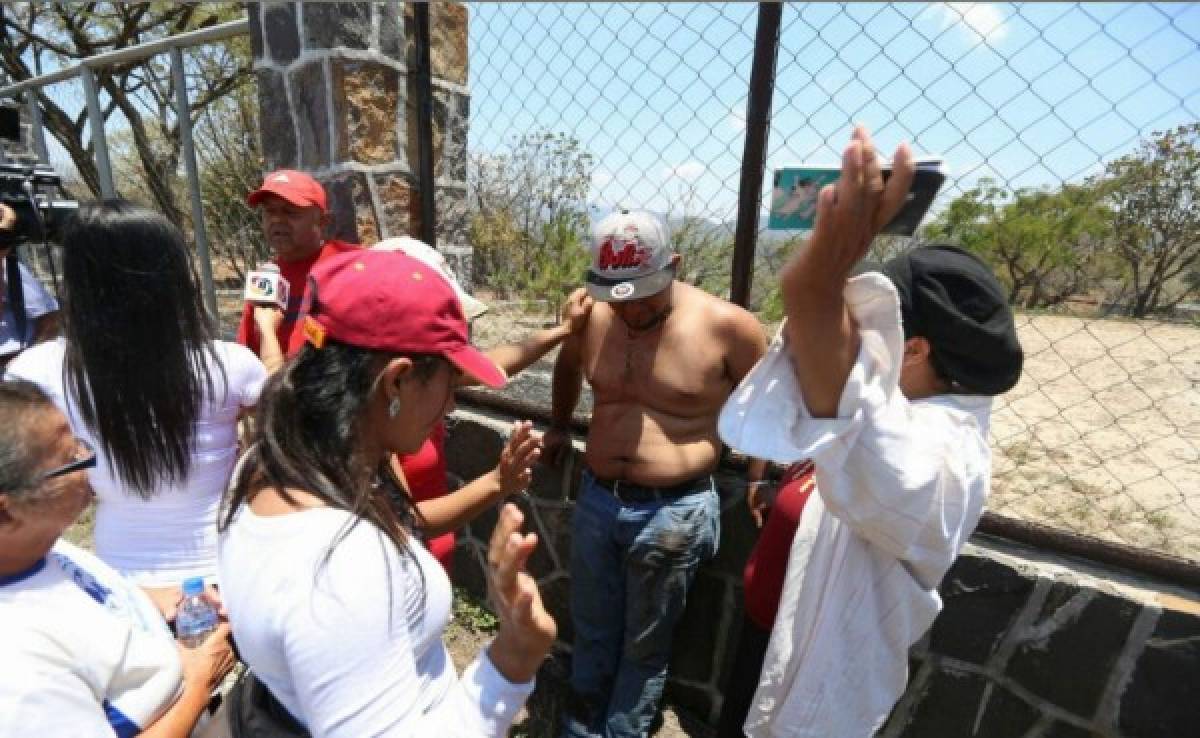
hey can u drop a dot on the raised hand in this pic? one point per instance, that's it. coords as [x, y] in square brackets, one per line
[526, 630]
[823, 339]
[518, 457]
[575, 310]
[850, 213]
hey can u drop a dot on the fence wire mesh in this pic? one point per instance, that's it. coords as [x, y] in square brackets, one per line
[1053, 120]
[1061, 125]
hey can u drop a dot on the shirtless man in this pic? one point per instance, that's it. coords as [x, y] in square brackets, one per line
[661, 357]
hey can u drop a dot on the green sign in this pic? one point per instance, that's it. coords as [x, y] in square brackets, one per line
[794, 196]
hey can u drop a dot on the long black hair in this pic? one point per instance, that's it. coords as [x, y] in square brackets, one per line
[309, 437]
[138, 340]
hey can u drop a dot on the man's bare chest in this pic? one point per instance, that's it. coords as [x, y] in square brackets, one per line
[667, 371]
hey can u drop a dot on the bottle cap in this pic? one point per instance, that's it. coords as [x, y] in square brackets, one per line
[193, 586]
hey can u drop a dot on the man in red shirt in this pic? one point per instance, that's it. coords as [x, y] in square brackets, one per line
[294, 218]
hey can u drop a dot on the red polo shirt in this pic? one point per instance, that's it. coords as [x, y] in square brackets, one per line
[296, 274]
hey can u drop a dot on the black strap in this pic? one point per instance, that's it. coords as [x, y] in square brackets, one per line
[255, 713]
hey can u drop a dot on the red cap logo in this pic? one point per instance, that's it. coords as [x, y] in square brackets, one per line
[630, 253]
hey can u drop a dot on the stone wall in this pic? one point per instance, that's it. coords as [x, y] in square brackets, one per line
[1027, 646]
[337, 96]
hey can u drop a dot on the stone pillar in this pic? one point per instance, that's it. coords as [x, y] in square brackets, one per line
[337, 99]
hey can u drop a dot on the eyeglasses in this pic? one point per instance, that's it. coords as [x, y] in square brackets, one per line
[87, 460]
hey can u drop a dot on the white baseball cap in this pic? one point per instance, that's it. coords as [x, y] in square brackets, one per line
[431, 257]
[631, 257]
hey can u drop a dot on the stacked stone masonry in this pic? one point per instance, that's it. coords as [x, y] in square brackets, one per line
[1023, 648]
[336, 94]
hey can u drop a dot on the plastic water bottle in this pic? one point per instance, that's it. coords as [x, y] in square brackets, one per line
[196, 617]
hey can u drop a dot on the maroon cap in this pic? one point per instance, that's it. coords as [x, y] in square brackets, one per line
[389, 301]
[297, 188]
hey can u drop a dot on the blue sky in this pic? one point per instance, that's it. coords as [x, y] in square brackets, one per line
[1032, 94]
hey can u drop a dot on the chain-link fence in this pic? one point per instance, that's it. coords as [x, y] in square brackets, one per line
[1061, 126]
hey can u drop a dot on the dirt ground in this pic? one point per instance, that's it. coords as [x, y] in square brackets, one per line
[1102, 434]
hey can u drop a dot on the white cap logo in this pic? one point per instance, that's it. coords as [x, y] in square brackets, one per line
[621, 291]
[280, 178]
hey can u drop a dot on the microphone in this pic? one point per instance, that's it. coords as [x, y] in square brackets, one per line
[266, 286]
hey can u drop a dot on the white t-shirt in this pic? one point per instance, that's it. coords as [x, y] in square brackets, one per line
[352, 644]
[85, 653]
[171, 536]
[38, 302]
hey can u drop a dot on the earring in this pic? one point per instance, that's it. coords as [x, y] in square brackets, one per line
[394, 407]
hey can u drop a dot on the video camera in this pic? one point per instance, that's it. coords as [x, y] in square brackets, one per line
[35, 193]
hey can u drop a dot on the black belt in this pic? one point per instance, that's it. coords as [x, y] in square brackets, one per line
[634, 492]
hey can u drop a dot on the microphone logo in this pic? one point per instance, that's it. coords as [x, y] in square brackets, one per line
[267, 287]
[262, 285]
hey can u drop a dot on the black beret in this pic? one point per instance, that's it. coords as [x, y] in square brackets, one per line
[950, 297]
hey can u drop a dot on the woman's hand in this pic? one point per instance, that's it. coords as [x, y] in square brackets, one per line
[514, 471]
[267, 319]
[206, 665]
[575, 310]
[526, 630]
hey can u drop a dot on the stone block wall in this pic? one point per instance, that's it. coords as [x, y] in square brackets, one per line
[1026, 647]
[337, 99]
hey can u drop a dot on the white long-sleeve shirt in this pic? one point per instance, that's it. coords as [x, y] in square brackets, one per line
[351, 644]
[900, 486]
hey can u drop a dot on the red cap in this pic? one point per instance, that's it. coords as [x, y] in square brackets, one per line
[389, 301]
[296, 187]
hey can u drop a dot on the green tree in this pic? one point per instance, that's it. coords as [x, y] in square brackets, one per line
[529, 216]
[1156, 221]
[705, 247]
[1045, 244]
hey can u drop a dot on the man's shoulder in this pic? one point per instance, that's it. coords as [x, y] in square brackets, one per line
[724, 316]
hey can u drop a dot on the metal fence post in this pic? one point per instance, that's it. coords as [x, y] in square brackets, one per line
[36, 130]
[424, 83]
[754, 156]
[193, 179]
[96, 127]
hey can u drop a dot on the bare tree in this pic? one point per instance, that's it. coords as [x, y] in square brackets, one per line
[38, 36]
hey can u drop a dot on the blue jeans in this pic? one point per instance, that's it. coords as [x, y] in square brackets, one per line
[631, 568]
